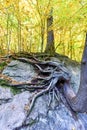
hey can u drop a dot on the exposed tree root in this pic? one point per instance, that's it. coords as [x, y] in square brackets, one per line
[51, 76]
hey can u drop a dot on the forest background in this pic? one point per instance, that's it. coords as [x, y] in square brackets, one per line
[23, 26]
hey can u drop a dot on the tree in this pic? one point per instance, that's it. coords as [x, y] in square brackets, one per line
[78, 102]
[50, 35]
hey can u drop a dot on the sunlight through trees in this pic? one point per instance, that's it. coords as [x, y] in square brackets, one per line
[23, 26]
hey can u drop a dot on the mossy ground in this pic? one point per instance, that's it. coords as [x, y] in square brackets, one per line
[14, 90]
[2, 65]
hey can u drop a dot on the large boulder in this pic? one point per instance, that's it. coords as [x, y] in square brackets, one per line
[13, 108]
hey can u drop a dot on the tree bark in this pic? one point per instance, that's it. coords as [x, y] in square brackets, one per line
[50, 35]
[78, 102]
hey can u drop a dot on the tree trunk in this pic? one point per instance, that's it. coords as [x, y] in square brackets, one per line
[8, 43]
[19, 35]
[50, 35]
[42, 34]
[78, 102]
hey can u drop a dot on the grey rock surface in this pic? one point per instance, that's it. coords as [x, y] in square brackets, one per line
[12, 113]
[5, 93]
[42, 117]
[20, 71]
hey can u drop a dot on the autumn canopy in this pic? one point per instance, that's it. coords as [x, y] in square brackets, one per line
[23, 26]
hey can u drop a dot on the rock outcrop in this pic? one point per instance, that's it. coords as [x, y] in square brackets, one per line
[14, 107]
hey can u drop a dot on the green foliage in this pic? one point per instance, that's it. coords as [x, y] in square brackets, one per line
[2, 65]
[14, 90]
[3, 82]
[23, 26]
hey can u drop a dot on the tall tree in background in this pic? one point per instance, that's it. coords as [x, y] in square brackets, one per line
[19, 27]
[50, 35]
[79, 102]
[18, 18]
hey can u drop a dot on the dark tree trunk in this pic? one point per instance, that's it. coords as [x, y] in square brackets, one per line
[50, 35]
[78, 102]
